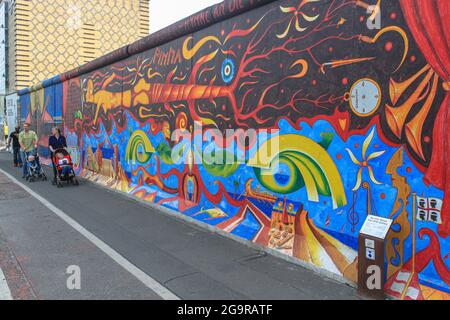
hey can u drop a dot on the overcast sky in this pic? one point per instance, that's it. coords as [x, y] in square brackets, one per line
[165, 12]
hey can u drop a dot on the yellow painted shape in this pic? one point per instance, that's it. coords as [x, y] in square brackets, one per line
[334, 248]
[292, 142]
[313, 193]
[434, 294]
[316, 250]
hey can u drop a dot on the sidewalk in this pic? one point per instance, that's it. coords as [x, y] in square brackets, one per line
[189, 261]
[36, 248]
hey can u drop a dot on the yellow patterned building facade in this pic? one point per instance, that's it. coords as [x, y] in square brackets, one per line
[49, 37]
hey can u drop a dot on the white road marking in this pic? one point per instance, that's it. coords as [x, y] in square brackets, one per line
[5, 293]
[148, 281]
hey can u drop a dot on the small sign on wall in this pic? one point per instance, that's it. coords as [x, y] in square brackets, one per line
[377, 227]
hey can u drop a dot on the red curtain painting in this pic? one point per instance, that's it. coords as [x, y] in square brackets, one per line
[429, 23]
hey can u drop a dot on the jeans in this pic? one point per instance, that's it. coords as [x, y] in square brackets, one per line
[65, 170]
[17, 157]
[25, 169]
[55, 171]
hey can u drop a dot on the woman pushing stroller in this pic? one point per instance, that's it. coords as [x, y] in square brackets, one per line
[56, 142]
[62, 162]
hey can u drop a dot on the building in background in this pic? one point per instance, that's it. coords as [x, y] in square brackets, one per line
[42, 38]
[2, 67]
[3, 44]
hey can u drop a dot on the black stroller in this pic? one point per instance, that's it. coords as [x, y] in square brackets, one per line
[34, 168]
[64, 168]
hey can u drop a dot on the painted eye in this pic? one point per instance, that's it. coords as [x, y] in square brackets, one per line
[228, 70]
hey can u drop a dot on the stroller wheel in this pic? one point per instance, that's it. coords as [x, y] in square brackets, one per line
[75, 182]
[44, 177]
[58, 182]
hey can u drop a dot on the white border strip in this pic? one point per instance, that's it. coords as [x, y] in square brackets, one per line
[148, 281]
[5, 293]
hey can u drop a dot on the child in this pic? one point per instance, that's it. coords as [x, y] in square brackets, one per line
[63, 163]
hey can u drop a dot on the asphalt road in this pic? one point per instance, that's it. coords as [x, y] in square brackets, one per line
[37, 247]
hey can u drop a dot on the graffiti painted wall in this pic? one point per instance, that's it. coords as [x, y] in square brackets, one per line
[42, 108]
[354, 109]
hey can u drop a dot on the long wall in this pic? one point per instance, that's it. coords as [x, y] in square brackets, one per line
[350, 108]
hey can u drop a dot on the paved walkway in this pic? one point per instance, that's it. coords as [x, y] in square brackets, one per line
[125, 250]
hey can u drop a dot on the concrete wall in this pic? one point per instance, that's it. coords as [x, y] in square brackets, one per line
[352, 109]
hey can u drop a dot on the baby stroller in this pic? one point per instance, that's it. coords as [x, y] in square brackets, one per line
[64, 168]
[34, 167]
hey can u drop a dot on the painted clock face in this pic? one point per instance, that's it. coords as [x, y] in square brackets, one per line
[365, 97]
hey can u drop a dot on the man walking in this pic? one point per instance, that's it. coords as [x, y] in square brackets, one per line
[28, 140]
[14, 138]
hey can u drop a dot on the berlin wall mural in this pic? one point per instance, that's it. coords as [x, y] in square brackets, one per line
[358, 115]
[42, 108]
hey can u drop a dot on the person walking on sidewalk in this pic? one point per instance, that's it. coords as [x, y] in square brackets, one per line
[5, 130]
[14, 138]
[28, 141]
[56, 141]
